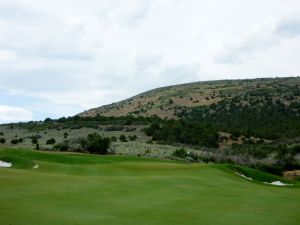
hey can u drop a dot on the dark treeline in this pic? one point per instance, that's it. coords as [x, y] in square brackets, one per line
[77, 122]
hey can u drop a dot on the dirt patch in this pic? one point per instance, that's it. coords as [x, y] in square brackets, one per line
[292, 174]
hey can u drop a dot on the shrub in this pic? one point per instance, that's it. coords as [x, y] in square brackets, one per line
[16, 141]
[123, 138]
[180, 153]
[113, 139]
[114, 128]
[63, 146]
[95, 143]
[2, 140]
[34, 141]
[50, 141]
[1, 133]
[66, 135]
[132, 138]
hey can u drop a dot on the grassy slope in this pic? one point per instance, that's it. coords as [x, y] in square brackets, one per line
[87, 189]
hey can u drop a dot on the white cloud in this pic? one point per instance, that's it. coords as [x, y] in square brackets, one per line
[73, 56]
[15, 114]
[7, 56]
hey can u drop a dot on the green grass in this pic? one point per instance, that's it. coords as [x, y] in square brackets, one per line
[81, 189]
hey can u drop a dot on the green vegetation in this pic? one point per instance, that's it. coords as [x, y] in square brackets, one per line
[186, 132]
[16, 141]
[50, 141]
[123, 138]
[89, 189]
[261, 118]
[132, 138]
[2, 140]
[254, 123]
[95, 144]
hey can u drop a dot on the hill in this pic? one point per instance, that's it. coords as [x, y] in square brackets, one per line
[254, 123]
[172, 101]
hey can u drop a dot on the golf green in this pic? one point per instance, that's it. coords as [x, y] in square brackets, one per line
[79, 189]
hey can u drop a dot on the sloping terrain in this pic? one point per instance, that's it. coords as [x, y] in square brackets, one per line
[88, 189]
[172, 101]
[254, 123]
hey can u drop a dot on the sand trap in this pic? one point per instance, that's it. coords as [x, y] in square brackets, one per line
[242, 175]
[277, 183]
[36, 166]
[5, 164]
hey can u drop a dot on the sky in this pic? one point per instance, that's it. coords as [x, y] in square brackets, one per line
[59, 58]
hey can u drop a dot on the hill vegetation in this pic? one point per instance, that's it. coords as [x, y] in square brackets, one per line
[255, 123]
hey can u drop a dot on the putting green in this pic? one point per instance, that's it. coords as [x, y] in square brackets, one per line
[81, 189]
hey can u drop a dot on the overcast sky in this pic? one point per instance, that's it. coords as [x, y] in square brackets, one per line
[58, 58]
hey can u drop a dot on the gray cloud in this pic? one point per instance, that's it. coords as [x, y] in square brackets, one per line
[289, 27]
[261, 38]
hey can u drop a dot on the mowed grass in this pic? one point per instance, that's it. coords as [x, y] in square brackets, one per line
[81, 189]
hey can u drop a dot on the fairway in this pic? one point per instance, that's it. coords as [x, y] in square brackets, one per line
[81, 189]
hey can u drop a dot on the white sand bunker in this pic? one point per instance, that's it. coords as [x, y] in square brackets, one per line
[277, 183]
[5, 164]
[36, 166]
[242, 175]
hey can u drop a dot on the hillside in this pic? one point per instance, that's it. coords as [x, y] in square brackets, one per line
[254, 123]
[172, 101]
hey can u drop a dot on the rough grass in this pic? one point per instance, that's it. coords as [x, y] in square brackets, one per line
[88, 189]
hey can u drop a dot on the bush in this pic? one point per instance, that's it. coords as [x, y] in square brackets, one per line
[95, 143]
[16, 141]
[50, 141]
[1, 133]
[132, 138]
[113, 139]
[180, 153]
[114, 128]
[123, 138]
[66, 135]
[2, 140]
[34, 140]
[63, 147]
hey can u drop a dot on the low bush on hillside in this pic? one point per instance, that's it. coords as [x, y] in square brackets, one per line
[180, 153]
[95, 143]
[132, 138]
[63, 146]
[16, 141]
[114, 128]
[50, 141]
[2, 140]
[123, 138]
